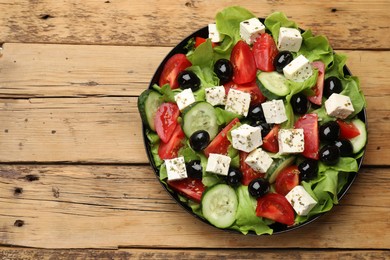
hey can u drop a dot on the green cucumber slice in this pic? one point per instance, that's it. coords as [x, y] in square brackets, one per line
[359, 141]
[273, 85]
[148, 103]
[200, 116]
[219, 205]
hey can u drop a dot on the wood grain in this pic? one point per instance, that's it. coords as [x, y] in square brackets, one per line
[124, 206]
[13, 254]
[348, 24]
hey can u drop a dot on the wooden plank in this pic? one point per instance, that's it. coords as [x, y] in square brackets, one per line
[125, 22]
[111, 206]
[51, 70]
[22, 253]
[108, 130]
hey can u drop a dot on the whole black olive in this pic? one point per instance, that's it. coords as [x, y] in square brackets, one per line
[199, 140]
[299, 103]
[329, 154]
[256, 112]
[308, 170]
[188, 79]
[282, 59]
[329, 131]
[345, 147]
[194, 169]
[234, 177]
[265, 128]
[223, 68]
[258, 187]
[332, 85]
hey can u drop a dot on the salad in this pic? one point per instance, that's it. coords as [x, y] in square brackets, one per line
[254, 124]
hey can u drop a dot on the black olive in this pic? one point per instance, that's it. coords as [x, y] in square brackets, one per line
[224, 70]
[188, 79]
[299, 103]
[194, 169]
[234, 177]
[258, 187]
[308, 170]
[330, 154]
[256, 112]
[332, 85]
[282, 59]
[345, 147]
[265, 128]
[329, 131]
[199, 140]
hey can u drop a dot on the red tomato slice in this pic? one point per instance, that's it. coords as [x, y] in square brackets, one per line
[220, 143]
[276, 207]
[319, 87]
[244, 66]
[309, 124]
[270, 141]
[172, 68]
[264, 51]
[165, 120]
[200, 40]
[256, 96]
[347, 129]
[248, 173]
[170, 149]
[287, 179]
[189, 187]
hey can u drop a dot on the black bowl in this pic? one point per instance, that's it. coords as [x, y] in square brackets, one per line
[277, 228]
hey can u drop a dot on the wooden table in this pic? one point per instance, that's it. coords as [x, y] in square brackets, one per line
[74, 173]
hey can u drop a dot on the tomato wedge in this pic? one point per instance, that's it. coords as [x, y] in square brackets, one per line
[287, 179]
[319, 87]
[248, 173]
[170, 149]
[244, 66]
[276, 207]
[256, 96]
[264, 51]
[270, 141]
[200, 40]
[309, 124]
[165, 120]
[347, 130]
[172, 68]
[220, 143]
[190, 187]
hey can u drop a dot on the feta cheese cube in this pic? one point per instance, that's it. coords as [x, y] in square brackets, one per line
[300, 200]
[298, 70]
[184, 98]
[290, 39]
[290, 140]
[214, 33]
[251, 29]
[274, 111]
[259, 160]
[216, 95]
[339, 106]
[246, 138]
[176, 168]
[238, 102]
[218, 164]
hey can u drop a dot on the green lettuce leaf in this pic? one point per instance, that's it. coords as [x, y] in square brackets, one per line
[224, 117]
[316, 48]
[154, 143]
[202, 56]
[276, 20]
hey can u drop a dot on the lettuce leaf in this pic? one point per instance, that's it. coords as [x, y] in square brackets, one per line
[316, 48]
[224, 117]
[154, 143]
[276, 20]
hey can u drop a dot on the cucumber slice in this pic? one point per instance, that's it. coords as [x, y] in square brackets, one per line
[278, 166]
[359, 141]
[200, 116]
[148, 103]
[219, 205]
[273, 85]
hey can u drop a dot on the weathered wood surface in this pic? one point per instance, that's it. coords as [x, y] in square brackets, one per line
[357, 24]
[125, 206]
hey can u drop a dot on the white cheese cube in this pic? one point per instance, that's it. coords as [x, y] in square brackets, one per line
[214, 33]
[300, 200]
[339, 106]
[251, 29]
[298, 70]
[259, 160]
[218, 164]
[216, 95]
[274, 111]
[238, 102]
[246, 138]
[176, 168]
[290, 39]
[290, 140]
[184, 98]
